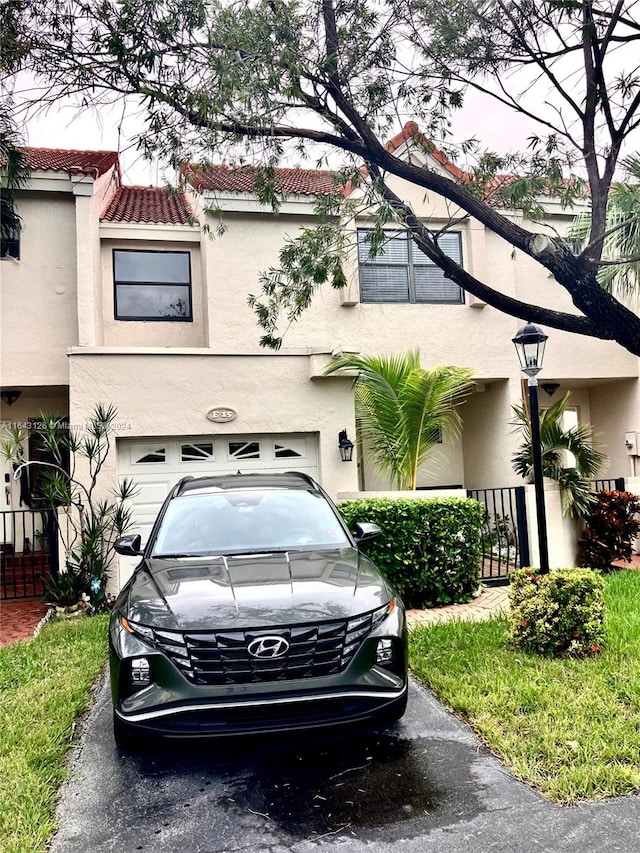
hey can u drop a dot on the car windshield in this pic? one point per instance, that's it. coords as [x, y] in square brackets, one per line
[244, 520]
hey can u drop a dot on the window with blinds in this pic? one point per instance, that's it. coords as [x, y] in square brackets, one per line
[400, 272]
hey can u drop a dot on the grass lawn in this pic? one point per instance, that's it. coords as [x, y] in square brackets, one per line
[45, 683]
[569, 727]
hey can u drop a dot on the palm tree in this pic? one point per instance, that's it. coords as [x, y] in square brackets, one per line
[14, 172]
[576, 480]
[403, 409]
[620, 266]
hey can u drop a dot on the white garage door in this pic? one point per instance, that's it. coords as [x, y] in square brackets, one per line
[158, 464]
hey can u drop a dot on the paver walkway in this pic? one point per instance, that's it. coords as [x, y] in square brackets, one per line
[492, 601]
[19, 618]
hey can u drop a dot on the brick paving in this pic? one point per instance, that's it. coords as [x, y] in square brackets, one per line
[492, 601]
[19, 619]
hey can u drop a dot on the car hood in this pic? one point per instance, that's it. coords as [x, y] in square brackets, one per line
[254, 590]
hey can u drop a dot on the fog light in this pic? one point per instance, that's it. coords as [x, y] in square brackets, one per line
[140, 671]
[384, 652]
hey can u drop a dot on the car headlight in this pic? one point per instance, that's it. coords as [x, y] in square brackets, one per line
[381, 613]
[137, 630]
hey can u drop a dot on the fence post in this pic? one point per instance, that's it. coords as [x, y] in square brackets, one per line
[54, 550]
[523, 530]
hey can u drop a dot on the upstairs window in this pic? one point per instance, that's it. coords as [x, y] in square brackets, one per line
[10, 241]
[402, 273]
[152, 285]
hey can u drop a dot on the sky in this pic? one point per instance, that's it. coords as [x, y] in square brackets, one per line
[111, 128]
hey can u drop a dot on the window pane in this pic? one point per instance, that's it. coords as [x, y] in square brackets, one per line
[432, 286]
[196, 452]
[293, 449]
[157, 455]
[244, 450]
[393, 251]
[10, 243]
[161, 267]
[153, 300]
[450, 245]
[384, 284]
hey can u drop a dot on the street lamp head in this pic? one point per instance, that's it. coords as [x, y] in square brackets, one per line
[529, 342]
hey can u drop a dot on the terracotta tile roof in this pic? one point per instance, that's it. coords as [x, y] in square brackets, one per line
[241, 179]
[147, 204]
[75, 162]
[411, 131]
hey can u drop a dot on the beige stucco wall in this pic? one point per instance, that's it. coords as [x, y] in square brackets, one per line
[615, 409]
[160, 394]
[39, 318]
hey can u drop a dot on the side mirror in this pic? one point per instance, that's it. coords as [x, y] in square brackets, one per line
[128, 546]
[366, 531]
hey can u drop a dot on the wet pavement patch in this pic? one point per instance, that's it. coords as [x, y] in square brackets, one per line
[358, 786]
[337, 788]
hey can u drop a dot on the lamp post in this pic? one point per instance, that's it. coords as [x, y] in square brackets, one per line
[530, 342]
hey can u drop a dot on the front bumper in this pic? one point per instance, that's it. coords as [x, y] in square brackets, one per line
[172, 707]
[267, 715]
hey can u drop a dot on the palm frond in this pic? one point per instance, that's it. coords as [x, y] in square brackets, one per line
[556, 441]
[404, 409]
[622, 242]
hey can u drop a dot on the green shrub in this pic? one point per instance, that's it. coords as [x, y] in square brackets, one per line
[560, 613]
[610, 529]
[430, 549]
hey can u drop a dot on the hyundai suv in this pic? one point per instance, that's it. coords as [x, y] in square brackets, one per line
[253, 609]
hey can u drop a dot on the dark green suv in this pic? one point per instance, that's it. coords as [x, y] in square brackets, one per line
[253, 610]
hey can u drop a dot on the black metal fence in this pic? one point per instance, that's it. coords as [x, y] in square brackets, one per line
[505, 538]
[615, 484]
[28, 552]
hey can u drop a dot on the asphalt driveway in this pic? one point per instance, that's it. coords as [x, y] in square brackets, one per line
[427, 783]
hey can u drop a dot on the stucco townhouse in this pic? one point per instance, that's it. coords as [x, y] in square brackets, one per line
[116, 294]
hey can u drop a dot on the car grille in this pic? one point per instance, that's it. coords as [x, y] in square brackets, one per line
[222, 657]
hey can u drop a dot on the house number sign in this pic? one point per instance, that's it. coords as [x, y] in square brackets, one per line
[222, 415]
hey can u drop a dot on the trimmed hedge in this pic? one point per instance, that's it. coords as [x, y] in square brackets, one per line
[430, 549]
[560, 613]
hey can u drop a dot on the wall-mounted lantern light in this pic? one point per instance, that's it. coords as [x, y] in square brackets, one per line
[345, 446]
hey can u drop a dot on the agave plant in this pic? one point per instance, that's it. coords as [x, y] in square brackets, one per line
[556, 440]
[404, 409]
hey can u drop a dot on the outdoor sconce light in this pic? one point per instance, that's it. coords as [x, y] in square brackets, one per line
[10, 397]
[345, 446]
[529, 342]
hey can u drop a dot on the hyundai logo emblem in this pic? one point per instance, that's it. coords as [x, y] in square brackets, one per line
[268, 647]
